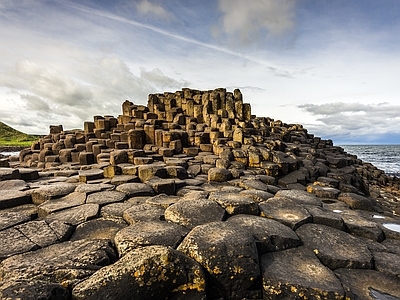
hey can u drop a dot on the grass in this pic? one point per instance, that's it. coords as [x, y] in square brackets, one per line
[10, 137]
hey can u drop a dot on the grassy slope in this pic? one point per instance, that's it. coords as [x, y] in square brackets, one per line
[12, 137]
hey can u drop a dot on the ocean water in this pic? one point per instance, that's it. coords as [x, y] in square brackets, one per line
[14, 153]
[384, 157]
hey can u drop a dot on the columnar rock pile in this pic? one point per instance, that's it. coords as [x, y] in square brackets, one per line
[192, 197]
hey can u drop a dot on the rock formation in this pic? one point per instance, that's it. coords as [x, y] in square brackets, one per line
[193, 197]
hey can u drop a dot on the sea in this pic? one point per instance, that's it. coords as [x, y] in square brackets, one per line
[384, 157]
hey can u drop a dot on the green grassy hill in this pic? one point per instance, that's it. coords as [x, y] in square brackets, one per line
[12, 137]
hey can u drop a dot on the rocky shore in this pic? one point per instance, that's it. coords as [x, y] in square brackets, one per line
[193, 197]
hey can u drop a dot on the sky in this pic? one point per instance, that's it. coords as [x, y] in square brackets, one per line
[332, 66]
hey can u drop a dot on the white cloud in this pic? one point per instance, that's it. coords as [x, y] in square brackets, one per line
[247, 19]
[146, 7]
[354, 121]
[51, 94]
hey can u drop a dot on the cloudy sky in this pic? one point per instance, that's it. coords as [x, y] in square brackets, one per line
[332, 66]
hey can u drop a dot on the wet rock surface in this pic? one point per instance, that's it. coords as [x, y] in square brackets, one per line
[192, 197]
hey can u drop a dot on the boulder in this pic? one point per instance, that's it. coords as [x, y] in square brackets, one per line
[229, 256]
[153, 272]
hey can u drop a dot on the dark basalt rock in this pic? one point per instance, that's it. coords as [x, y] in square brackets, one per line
[269, 235]
[65, 263]
[298, 274]
[191, 212]
[33, 290]
[153, 272]
[285, 211]
[229, 256]
[256, 208]
[335, 249]
[148, 233]
[368, 284]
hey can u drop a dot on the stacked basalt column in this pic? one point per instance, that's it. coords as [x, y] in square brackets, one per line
[185, 122]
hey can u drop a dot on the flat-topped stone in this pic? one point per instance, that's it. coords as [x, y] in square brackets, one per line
[75, 215]
[355, 201]
[68, 201]
[143, 212]
[106, 197]
[335, 249]
[14, 184]
[235, 203]
[193, 212]
[51, 191]
[148, 233]
[270, 235]
[298, 274]
[368, 284]
[285, 211]
[102, 229]
[10, 219]
[90, 175]
[12, 198]
[300, 197]
[135, 189]
[9, 173]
